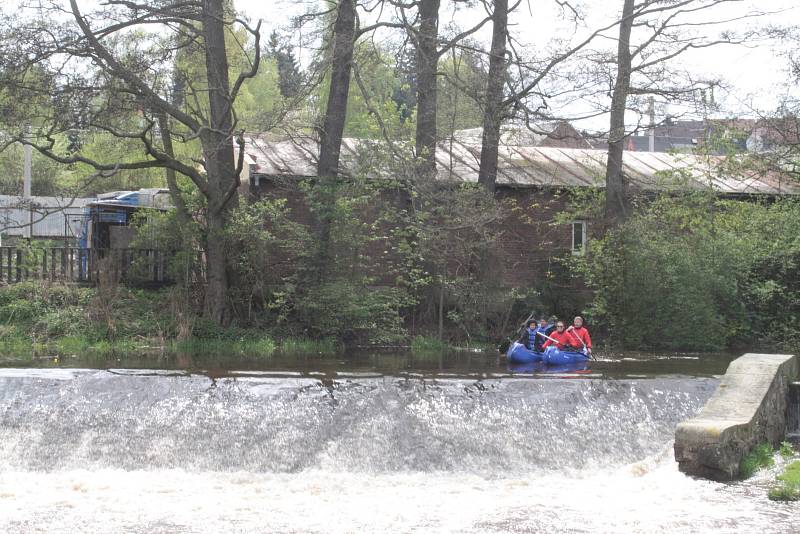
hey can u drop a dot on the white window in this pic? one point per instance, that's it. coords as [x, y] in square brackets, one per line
[579, 238]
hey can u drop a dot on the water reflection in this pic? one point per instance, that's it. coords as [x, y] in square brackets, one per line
[390, 362]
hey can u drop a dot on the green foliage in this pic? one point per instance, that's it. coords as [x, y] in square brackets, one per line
[62, 319]
[459, 92]
[759, 457]
[289, 77]
[371, 112]
[353, 313]
[786, 450]
[692, 271]
[789, 487]
[310, 346]
[254, 345]
[422, 344]
[269, 248]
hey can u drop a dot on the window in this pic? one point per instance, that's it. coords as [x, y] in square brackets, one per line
[579, 238]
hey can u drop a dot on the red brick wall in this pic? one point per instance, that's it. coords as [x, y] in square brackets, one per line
[529, 238]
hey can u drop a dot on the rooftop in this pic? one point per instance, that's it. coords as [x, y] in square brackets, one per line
[525, 166]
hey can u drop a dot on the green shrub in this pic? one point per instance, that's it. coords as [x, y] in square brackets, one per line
[692, 272]
[207, 329]
[68, 321]
[427, 344]
[786, 450]
[310, 346]
[759, 457]
[353, 313]
[789, 489]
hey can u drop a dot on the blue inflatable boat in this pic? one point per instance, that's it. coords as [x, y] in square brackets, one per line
[517, 353]
[543, 368]
[553, 356]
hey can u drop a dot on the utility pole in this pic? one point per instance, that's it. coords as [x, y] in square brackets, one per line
[26, 186]
[651, 145]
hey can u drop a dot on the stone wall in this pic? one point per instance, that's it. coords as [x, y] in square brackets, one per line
[749, 407]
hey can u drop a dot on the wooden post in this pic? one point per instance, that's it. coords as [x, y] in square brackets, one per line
[19, 265]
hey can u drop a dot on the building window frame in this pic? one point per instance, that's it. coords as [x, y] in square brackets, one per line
[579, 228]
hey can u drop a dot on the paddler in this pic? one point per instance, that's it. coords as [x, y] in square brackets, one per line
[559, 338]
[580, 335]
[528, 337]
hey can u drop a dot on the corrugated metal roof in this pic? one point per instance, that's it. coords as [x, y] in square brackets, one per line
[525, 166]
[51, 216]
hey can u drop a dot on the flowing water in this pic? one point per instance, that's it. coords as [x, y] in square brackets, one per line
[375, 443]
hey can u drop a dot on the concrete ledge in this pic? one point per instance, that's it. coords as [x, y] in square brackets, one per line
[748, 408]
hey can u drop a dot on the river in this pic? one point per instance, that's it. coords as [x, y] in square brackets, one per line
[369, 443]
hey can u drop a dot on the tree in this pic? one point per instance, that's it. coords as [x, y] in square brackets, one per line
[493, 108]
[615, 187]
[289, 77]
[110, 72]
[427, 64]
[344, 35]
[652, 35]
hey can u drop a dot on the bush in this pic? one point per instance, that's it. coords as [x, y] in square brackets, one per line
[353, 313]
[422, 344]
[694, 272]
[789, 489]
[760, 456]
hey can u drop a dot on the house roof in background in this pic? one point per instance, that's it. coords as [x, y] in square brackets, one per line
[525, 166]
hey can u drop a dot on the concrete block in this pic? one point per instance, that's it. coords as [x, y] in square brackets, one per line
[748, 407]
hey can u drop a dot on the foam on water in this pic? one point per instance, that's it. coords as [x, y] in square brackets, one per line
[140, 452]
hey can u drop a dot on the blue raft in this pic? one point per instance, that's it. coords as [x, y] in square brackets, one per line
[553, 356]
[543, 368]
[517, 353]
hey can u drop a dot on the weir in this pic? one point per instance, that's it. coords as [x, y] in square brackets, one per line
[750, 406]
[793, 414]
[172, 452]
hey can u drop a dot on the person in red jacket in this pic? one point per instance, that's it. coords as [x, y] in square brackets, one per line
[558, 338]
[580, 338]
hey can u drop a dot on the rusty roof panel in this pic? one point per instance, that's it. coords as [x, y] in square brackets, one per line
[524, 166]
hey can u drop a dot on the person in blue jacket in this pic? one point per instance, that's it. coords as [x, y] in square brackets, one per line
[545, 328]
[528, 337]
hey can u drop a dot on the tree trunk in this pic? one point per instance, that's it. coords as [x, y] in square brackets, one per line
[333, 129]
[427, 64]
[218, 154]
[493, 110]
[616, 201]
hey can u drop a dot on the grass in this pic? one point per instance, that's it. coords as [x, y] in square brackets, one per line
[38, 319]
[788, 488]
[424, 344]
[310, 346]
[759, 457]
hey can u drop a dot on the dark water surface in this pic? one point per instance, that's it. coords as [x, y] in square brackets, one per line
[453, 363]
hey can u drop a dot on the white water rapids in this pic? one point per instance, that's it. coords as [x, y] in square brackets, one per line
[155, 452]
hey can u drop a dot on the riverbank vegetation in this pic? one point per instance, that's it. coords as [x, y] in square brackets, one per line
[758, 458]
[788, 487]
[693, 271]
[61, 319]
[684, 272]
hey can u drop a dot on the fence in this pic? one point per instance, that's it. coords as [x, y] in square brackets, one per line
[82, 265]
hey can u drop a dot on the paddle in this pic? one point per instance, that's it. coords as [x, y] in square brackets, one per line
[503, 347]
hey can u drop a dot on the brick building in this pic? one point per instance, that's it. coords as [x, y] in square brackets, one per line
[541, 179]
